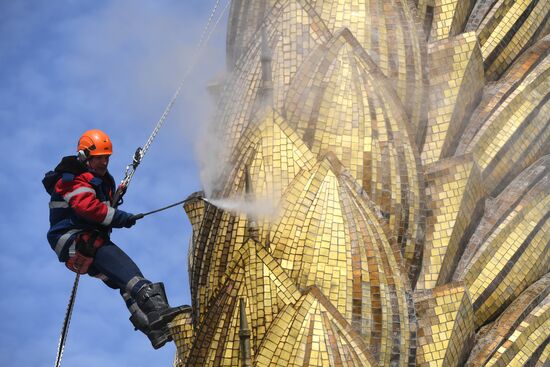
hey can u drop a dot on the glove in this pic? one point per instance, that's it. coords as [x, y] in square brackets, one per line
[130, 221]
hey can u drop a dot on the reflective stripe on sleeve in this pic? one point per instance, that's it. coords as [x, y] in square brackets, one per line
[109, 217]
[80, 190]
[63, 240]
[58, 204]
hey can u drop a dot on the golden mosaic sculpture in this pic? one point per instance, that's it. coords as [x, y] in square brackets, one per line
[403, 148]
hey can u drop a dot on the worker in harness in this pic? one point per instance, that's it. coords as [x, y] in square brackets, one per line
[81, 218]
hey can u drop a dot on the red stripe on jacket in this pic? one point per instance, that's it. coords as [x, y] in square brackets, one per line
[85, 203]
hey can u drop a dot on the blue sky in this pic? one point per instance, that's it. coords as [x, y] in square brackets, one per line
[67, 66]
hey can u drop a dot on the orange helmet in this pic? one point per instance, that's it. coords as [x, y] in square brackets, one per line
[94, 142]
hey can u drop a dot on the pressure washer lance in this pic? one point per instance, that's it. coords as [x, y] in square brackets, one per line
[141, 215]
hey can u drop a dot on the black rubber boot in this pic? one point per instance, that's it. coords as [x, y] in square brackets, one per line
[151, 299]
[157, 337]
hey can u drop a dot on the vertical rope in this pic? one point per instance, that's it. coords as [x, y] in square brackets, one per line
[66, 322]
[205, 38]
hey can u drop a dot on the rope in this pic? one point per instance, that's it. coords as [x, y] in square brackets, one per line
[186, 74]
[140, 153]
[204, 39]
[200, 47]
[66, 322]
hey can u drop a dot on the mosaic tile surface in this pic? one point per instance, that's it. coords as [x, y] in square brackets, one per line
[253, 274]
[271, 153]
[383, 189]
[456, 199]
[508, 29]
[516, 132]
[456, 83]
[445, 326]
[325, 225]
[290, 30]
[450, 17]
[497, 93]
[182, 332]
[313, 333]
[348, 109]
[388, 30]
[516, 336]
[328, 236]
[478, 13]
[510, 249]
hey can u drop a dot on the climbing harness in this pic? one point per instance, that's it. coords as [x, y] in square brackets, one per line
[138, 156]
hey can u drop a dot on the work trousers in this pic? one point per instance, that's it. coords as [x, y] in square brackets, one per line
[118, 271]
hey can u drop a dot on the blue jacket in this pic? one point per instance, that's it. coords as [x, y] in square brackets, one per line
[79, 201]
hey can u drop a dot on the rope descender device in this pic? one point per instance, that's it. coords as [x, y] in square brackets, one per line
[128, 175]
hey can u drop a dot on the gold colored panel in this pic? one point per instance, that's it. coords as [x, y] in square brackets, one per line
[181, 329]
[387, 30]
[450, 17]
[516, 133]
[456, 83]
[253, 274]
[340, 102]
[508, 29]
[445, 326]
[324, 117]
[455, 203]
[313, 333]
[290, 30]
[516, 335]
[509, 250]
[497, 94]
[271, 154]
[327, 234]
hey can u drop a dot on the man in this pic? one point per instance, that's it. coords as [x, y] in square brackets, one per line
[81, 218]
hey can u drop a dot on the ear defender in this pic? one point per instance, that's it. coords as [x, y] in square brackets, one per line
[82, 155]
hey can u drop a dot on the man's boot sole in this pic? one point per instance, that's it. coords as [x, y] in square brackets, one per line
[163, 319]
[165, 338]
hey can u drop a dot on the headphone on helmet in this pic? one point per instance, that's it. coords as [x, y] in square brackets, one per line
[83, 154]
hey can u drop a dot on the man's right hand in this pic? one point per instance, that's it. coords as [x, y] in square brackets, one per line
[132, 219]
